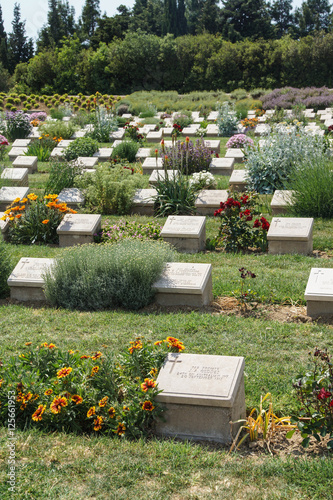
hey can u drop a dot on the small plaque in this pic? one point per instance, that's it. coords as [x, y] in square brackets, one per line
[28, 272]
[320, 285]
[79, 224]
[182, 277]
[183, 226]
[290, 228]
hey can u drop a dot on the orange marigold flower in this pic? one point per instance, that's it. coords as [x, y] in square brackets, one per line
[24, 200]
[175, 343]
[84, 357]
[52, 346]
[48, 392]
[32, 197]
[77, 399]
[98, 422]
[120, 429]
[149, 383]
[111, 412]
[16, 200]
[37, 416]
[57, 404]
[159, 342]
[71, 351]
[45, 221]
[63, 372]
[91, 411]
[18, 216]
[103, 402]
[148, 406]
[94, 370]
[97, 355]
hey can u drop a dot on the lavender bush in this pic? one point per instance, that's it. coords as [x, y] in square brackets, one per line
[18, 125]
[39, 115]
[287, 97]
[186, 156]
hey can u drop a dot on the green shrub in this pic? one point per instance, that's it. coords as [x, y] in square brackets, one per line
[5, 269]
[227, 119]
[62, 175]
[126, 150]
[238, 94]
[123, 229]
[83, 146]
[242, 107]
[42, 147]
[93, 277]
[312, 186]
[175, 196]
[110, 190]
[148, 112]
[58, 129]
[104, 123]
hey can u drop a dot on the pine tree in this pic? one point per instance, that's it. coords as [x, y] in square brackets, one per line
[314, 15]
[283, 19]
[3, 43]
[19, 46]
[242, 19]
[91, 12]
[181, 19]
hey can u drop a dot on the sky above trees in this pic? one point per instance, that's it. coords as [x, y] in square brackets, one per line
[35, 11]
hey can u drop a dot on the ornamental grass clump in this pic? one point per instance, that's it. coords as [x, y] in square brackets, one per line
[62, 175]
[241, 226]
[97, 393]
[314, 390]
[35, 220]
[186, 156]
[82, 146]
[175, 196]
[18, 125]
[126, 150]
[94, 277]
[43, 147]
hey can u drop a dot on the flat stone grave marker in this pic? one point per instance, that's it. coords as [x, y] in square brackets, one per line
[64, 143]
[159, 175]
[235, 153]
[57, 153]
[79, 133]
[143, 202]
[238, 180]
[281, 201]
[151, 164]
[16, 176]
[128, 116]
[290, 235]
[9, 193]
[262, 129]
[191, 130]
[186, 233]
[117, 134]
[116, 143]
[71, 196]
[4, 226]
[319, 292]
[222, 166]
[167, 131]
[212, 116]
[103, 154]
[29, 162]
[154, 136]
[26, 282]
[203, 394]
[78, 229]
[208, 200]
[87, 161]
[212, 130]
[184, 284]
[34, 134]
[21, 143]
[15, 152]
[214, 146]
[66, 119]
[142, 153]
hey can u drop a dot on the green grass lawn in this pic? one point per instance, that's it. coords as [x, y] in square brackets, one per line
[70, 467]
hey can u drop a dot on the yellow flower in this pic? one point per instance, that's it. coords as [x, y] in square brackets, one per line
[64, 372]
[103, 402]
[97, 355]
[16, 200]
[94, 370]
[32, 197]
[91, 411]
[77, 399]
[48, 392]
[111, 412]
[24, 200]
[37, 416]
[57, 404]
[98, 422]
[121, 429]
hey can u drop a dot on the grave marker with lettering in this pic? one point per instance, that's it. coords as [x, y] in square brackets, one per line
[319, 292]
[78, 229]
[26, 282]
[186, 233]
[290, 235]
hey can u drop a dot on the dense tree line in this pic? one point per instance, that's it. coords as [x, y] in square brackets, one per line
[181, 44]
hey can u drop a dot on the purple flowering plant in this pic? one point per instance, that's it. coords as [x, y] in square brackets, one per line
[239, 141]
[186, 156]
[18, 124]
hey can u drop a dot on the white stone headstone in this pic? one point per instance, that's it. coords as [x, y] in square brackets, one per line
[319, 292]
[26, 282]
[21, 143]
[87, 161]
[9, 193]
[222, 166]
[16, 176]
[208, 200]
[71, 196]
[15, 152]
[103, 154]
[159, 175]
[143, 201]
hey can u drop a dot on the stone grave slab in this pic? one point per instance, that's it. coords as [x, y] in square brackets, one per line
[159, 175]
[208, 200]
[26, 282]
[34, 134]
[64, 143]
[185, 284]
[79, 133]
[222, 166]
[290, 235]
[142, 153]
[15, 152]
[29, 162]
[167, 131]
[238, 181]
[319, 292]
[235, 153]
[71, 196]
[4, 226]
[16, 176]
[151, 164]
[128, 116]
[202, 394]
[191, 130]
[186, 233]
[117, 134]
[21, 143]
[103, 154]
[262, 129]
[143, 202]
[57, 153]
[212, 130]
[154, 136]
[214, 146]
[78, 229]
[116, 143]
[212, 116]
[281, 201]
[87, 161]
[9, 193]
[66, 119]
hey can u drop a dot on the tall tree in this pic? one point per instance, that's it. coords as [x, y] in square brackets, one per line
[193, 13]
[209, 17]
[3, 43]
[314, 15]
[20, 48]
[91, 13]
[242, 19]
[60, 24]
[282, 17]
[181, 18]
[170, 24]
[109, 28]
